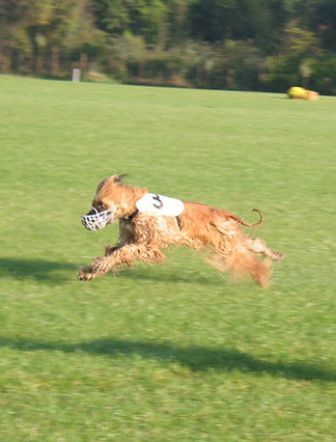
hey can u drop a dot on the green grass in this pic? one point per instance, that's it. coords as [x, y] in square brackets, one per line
[176, 352]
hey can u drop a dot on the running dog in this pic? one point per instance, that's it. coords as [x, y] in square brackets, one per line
[150, 222]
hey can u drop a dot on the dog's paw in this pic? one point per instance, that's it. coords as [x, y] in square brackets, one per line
[85, 275]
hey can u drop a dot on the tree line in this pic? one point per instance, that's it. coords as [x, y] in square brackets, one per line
[224, 44]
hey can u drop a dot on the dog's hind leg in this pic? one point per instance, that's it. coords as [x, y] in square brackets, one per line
[241, 262]
[258, 246]
[125, 256]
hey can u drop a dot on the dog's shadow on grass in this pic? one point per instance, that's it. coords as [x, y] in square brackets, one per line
[56, 272]
[37, 269]
[196, 358]
[168, 276]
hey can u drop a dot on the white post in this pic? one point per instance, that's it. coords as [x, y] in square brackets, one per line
[76, 75]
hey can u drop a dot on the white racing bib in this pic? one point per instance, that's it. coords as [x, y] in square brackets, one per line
[155, 204]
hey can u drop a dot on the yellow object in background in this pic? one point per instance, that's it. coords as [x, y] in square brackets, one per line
[303, 94]
[297, 92]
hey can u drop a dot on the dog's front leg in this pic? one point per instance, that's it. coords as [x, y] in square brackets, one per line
[111, 249]
[125, 256]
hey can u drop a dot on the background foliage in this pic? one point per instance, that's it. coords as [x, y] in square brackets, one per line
[232, 44]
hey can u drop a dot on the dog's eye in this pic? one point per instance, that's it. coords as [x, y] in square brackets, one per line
[99, 206]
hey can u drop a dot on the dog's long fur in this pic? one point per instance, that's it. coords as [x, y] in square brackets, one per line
[143, 237]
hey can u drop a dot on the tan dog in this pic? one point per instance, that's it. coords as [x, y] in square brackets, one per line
[149, 223]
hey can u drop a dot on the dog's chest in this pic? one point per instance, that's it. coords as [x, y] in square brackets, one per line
[127, 230]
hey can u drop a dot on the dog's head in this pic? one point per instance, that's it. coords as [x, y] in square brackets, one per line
[113, 200]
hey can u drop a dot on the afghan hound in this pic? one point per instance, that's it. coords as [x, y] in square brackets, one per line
[150, 222]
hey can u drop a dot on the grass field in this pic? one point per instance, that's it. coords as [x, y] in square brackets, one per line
[176, 352]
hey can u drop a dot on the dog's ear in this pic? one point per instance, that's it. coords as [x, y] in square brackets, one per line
[112, 179]
[120, 178]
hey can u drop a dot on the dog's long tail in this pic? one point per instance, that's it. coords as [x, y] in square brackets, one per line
[245, 223]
